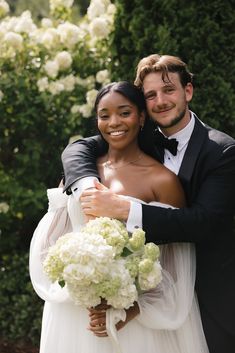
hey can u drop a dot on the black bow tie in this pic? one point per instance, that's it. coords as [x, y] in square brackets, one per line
[169, 144]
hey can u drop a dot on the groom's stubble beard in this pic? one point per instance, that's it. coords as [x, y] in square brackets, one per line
[173, 122]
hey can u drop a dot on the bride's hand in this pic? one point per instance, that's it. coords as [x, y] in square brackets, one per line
[131, 313]
[98, 319]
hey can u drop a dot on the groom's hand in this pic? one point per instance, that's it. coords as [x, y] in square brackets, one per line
[102, 202]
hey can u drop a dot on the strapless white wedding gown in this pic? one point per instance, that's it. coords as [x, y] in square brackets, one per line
[169, 319]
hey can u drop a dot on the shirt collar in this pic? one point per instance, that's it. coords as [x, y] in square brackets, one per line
[184, 135]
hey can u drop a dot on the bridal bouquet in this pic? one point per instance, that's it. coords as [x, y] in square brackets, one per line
[104, 261]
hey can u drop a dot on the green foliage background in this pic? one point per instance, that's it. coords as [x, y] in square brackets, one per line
[201, 33]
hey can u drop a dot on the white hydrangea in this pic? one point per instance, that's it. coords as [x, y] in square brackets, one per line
[75, 109]
[111, 10]
[91, 96]
[95, 9]
[1, 95]
[102, 76]
[49, 39]
[68, 82]
[95, 263]
[25, 23]
[85, 110]
[54, 4]
[151, 279]
[88, 82]
[14, 40]
[137, 240]
[43, 84]
[70, 34]
[4, 207]
[52, 68]
[127, 292]
[46, 23]
[99, 28]
[64, 60]
[4, 8]
[55, 87]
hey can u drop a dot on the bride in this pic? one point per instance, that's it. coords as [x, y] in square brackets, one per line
[163, 320]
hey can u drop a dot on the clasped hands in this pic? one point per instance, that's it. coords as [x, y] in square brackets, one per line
[102, 202]
[97, 317]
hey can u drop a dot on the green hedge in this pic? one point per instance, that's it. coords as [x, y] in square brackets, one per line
[200, 32]
[21, 309]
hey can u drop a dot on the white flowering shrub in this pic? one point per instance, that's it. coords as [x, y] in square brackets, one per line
[49, 76]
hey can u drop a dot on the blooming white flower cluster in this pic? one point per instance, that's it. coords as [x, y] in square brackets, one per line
[55, 46]
[4, 8]
[100, 13]
[4, 207]
[103, 261]
[54, 4]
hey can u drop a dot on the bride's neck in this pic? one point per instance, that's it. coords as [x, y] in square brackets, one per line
[123, 155]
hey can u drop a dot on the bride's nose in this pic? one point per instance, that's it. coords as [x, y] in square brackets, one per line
[114, 120]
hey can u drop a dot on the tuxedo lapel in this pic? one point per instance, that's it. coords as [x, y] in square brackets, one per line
[192, 153]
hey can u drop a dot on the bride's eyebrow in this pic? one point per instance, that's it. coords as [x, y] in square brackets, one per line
[125, 106]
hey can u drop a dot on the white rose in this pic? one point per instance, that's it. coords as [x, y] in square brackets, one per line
[99, 28]
[51, 68]
[4, 8]
[64, 60]
[14, 39]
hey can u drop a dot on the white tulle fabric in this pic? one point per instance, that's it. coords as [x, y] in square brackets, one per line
[169, 319]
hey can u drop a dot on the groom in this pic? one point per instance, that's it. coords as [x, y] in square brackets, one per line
[204, 160]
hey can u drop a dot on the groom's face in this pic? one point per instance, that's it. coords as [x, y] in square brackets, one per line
[167, 101]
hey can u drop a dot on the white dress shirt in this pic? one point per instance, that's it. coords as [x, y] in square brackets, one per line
[170, 161]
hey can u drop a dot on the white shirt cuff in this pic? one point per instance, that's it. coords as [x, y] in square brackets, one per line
[82, 184]
[135, 217]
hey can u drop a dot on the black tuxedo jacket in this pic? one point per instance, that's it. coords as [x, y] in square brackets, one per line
[207, 174]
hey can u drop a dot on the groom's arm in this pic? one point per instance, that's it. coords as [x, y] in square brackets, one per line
[209, 217]
[79, 159]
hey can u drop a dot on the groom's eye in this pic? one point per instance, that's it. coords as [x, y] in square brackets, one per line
[150, 95]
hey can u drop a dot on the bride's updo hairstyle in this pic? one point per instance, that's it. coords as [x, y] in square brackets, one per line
[126, 89]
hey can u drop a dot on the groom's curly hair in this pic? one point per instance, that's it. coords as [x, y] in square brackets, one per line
[163, 64]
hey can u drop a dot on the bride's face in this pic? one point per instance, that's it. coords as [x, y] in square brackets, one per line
[119, 120]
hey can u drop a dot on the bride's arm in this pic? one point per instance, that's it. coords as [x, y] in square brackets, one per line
[168, 305]
[55, 223]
